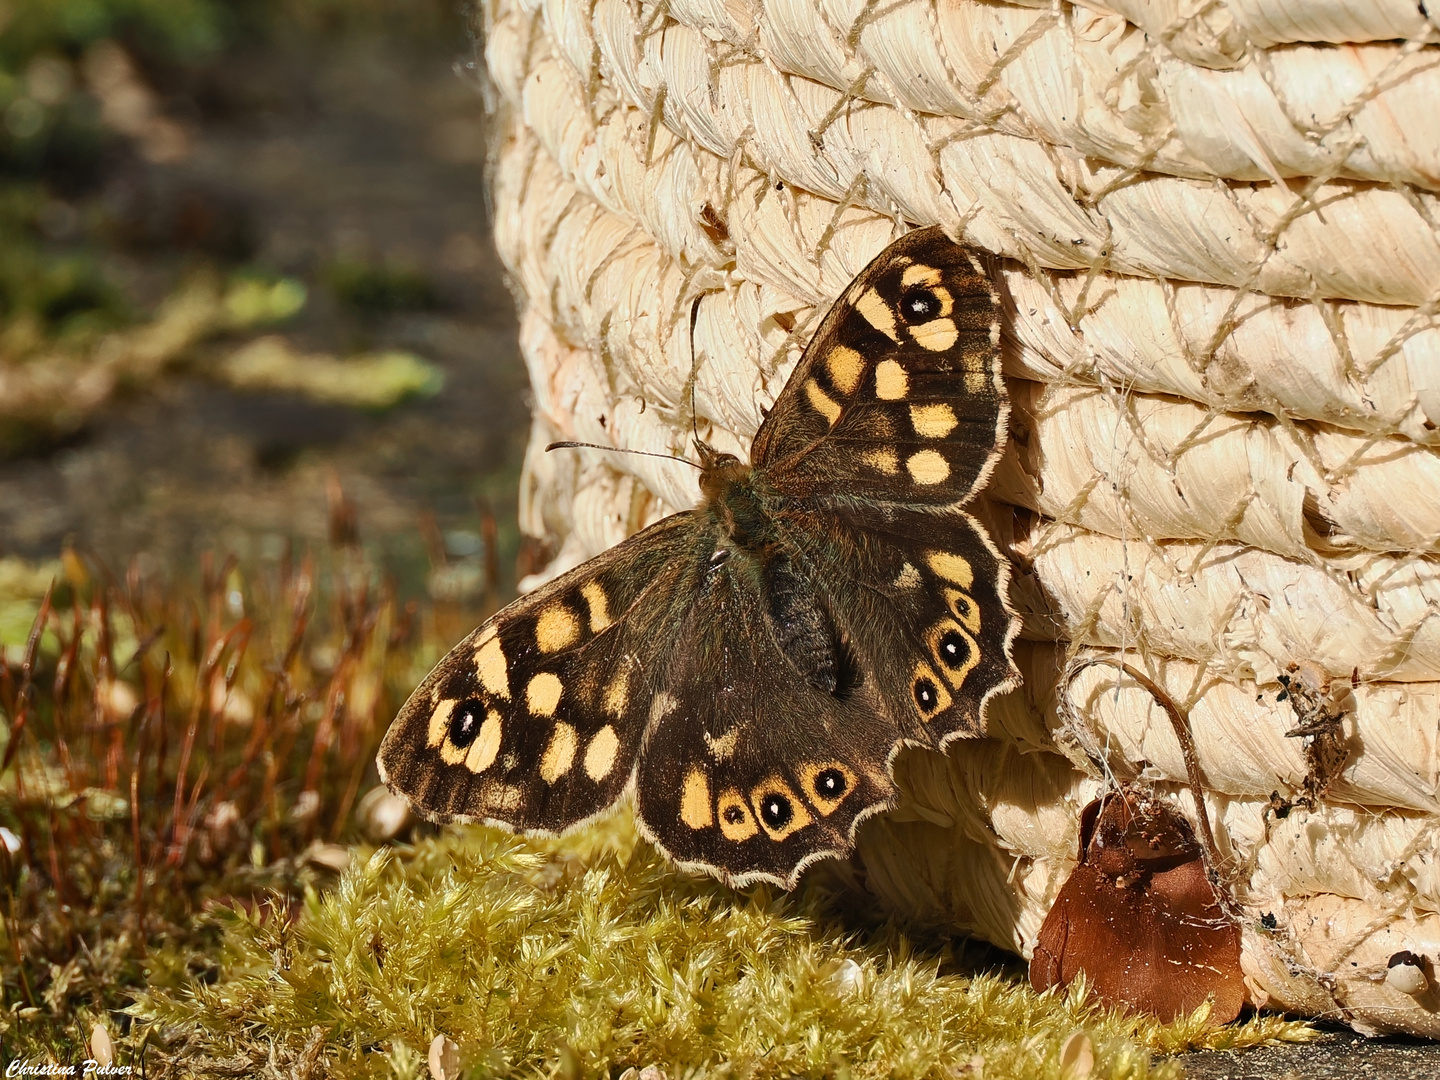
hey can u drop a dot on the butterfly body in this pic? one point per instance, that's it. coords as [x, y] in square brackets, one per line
[750, 667]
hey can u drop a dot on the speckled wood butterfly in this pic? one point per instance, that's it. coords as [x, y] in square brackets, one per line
[750, 667]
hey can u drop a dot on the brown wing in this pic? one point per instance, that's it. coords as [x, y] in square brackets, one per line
[535, 720]
[923, 599]
[750, 769]
[898, 399]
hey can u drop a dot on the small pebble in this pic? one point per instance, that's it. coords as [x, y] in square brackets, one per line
[444, 1058]
[1406, 973]
[101, 1048]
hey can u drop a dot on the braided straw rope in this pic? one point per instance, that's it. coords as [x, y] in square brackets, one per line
[1222, 222]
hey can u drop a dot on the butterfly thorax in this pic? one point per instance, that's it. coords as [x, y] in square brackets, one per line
[794, 612]
[734, 499]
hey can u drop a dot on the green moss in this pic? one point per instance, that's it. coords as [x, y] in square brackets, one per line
[591, 954]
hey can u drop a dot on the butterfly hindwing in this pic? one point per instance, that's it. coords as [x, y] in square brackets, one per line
[749, 770]
[535, 719]
[898, 398]
[923, 603]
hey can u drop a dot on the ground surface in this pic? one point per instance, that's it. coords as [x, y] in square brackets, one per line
[1341, 1056]
[368, 150]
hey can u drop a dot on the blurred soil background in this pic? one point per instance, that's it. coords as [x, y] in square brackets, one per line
[243, 259]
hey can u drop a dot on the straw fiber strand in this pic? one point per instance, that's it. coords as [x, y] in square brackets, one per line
[1222, 233]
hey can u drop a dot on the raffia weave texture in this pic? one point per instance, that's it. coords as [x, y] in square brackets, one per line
[1223, 221]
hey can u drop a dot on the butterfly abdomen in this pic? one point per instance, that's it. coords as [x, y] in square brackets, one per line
[801, 624]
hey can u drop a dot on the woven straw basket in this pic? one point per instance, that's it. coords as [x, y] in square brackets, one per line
[1221, 221]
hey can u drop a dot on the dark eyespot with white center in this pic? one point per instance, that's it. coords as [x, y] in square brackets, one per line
[830, 783]
[919, 305]
[734, 815]
[954, 649]
[926, 695]
[776, 811]
[465, 722]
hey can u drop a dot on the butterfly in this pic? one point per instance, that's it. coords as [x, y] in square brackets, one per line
[750, 668]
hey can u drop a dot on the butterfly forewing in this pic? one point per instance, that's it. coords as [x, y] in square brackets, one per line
[534, 720]
[898, 399]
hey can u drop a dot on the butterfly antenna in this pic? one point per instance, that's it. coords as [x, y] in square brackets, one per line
[694, 370]
[567, 445]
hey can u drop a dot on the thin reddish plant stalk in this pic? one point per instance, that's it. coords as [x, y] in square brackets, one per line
[12, 931]
[63, 891]
[191, 812]
[102, 693]
[279, 682]
[325, 730]
[232, 672]
[199, 705]
[155, 707]
[139, 902]
[64, 672]
[21, 708]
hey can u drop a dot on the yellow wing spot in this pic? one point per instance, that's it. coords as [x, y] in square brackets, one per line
[908, 577]
[927, 467]
[933, 421]
[846, 367]
[695, 800]
[823, 405]
[600, 754]
[964, 608]
[937, 335]
[543, 693]
[451, 754]
[951, 567]
[501, 798]
[556, 628]
[595, 600]
[559, 753]
[947, 303]
[815, 788]
[877, 313]
[776, 789]
[617, 694]
[976, 366]
[920, 274]
[491, 668]
[439, 722]
[928, 691]
[886, 460]
[891, 382]
[737, 823]
[486, 745]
